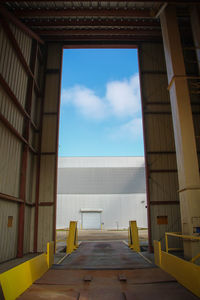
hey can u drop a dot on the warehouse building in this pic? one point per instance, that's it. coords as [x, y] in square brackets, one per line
[33, 35]
[101, 192]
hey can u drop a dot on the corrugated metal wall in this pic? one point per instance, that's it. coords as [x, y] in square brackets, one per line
[14, 99]
[116, 212]
[162, 177]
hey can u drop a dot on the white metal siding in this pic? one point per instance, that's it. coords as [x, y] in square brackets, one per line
[117, 210]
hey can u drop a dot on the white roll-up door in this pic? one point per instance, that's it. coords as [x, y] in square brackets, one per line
[91, 220]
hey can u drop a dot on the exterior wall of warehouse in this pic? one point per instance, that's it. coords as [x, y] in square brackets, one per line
[116, 212]
[114, 185]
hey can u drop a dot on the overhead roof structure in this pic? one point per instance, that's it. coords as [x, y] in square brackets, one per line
[93, 20]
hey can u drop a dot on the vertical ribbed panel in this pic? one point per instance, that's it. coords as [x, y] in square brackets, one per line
[47, 178]
[28, 229]
[8, 244]
[10, 112]
[173, 214]
[23, 41]
[48, 170]
[160, 146]
[45, 233]
[10, 149]
[12, 70]
[31, 178]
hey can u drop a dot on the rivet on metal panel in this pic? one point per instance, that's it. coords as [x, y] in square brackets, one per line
[122, 277]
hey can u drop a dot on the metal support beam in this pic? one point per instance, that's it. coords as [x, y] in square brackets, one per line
[119, 22]
[137, 13]
[99, 32]
[186, 152]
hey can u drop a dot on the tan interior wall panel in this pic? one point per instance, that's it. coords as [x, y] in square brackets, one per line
[8, 234]
[12, 70]
[173, 219]
[27, 229]
[163, 187]
[10, 162]
[49, 133]
[45, 229]
[31, 178]
[47, 170]
[24, 42]
[154, 86]
[54, 56]
[152, 57]
[159, 132]
[51, 92]
[10, 112]
[160, 147]
[163, 161]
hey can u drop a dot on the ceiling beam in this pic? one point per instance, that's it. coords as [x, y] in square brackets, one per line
[91, 22]
[98, 32]
[34, 13]
[131, 1]
[10, 17]
[102, 38]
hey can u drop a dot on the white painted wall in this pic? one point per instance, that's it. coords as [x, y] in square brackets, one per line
[117, 209]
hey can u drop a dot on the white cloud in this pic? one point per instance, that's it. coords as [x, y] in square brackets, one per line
[85, 101]
[122, 99]
[131, 130]
[124, 96]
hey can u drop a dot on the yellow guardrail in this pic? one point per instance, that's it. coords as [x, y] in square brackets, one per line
[133, 239]
[18, 279]
[185, 272]
[182, 236]
[61, 240]
[72, 240]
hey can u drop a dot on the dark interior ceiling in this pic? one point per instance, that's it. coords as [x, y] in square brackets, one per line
[94, 20]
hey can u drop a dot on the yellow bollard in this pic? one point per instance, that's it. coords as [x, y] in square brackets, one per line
[72, 241]
[50, 254]
[133, 236]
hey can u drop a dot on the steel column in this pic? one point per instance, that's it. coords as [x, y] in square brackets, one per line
[186, 152]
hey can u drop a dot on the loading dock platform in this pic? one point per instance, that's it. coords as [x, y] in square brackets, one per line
[106, 271]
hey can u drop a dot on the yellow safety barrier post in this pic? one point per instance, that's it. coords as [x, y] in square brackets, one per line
[157, 253]
[18, 279]
[185, 272]
[15, 281]
[133, 236]
[60, 240]
[50, 254]
[72, 241]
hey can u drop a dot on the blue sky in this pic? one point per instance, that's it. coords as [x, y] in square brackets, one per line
[100, 103]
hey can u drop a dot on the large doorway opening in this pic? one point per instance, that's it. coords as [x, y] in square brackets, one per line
[101, 170]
